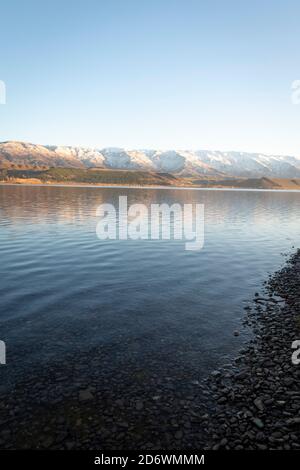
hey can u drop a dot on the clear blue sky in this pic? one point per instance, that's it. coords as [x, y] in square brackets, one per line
[209, 74]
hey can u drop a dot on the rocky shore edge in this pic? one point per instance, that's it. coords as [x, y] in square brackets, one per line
[258, 397]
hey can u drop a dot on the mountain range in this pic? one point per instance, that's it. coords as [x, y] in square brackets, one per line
[185, 163]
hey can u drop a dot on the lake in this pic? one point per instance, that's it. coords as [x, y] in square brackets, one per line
[143, 305]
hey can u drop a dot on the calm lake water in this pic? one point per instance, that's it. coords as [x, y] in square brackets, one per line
[145, 304]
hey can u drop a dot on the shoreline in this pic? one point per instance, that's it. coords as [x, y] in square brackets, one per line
[119, 186]
[252, 403]
[257, 400]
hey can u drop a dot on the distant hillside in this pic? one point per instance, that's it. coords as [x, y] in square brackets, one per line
[249, 183]
[182, 163]
[88, 176]
[95, 176]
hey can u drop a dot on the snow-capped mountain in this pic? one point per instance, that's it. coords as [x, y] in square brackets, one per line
[179, 162]
[252, 164]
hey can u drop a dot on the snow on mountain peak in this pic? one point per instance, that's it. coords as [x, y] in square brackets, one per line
[181, 162]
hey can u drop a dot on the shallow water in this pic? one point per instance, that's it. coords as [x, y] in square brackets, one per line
[65, 293]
